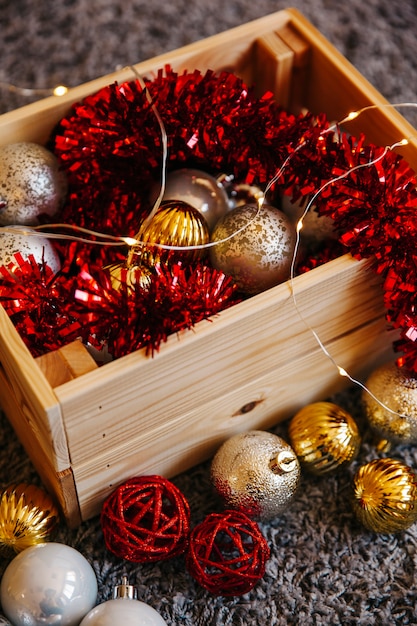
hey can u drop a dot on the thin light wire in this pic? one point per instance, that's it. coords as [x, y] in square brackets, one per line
[134, 242]
[342, 371]
[59, 90]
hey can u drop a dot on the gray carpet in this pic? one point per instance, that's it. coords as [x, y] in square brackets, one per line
[324, 569]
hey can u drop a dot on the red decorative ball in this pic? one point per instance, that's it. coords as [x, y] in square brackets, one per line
[227, 553]
[146, 519]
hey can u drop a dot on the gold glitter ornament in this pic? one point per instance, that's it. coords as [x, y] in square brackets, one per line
[324, 437]
[385, 496]
[27, 517]
[177, 224]
[256, 473]
[395, 388]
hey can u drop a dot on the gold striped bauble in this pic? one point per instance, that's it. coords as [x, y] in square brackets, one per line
[175, 224]
[385, 495]
[324, 437]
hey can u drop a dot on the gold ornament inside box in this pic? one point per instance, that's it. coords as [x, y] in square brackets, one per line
[87, 428]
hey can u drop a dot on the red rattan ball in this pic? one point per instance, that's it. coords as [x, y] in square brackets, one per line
[146, 519]
[227, 553]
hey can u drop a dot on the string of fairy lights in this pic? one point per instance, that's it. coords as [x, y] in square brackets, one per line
[82, 234]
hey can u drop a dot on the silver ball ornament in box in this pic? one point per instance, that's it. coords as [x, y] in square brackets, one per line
[200, 190]
[396, 388]
[257, 473]
[26, 241]
[254, 246]
[31, 183]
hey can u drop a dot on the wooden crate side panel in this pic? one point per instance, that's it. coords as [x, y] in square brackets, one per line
[60, 484]
[178, 444]
[336, 87]
[230, 50]
[101, 409]
[34, 396]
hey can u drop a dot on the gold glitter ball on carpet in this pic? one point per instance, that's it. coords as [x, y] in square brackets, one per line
[385, 495]
[324, 437]
[394, 417]
[27, 517]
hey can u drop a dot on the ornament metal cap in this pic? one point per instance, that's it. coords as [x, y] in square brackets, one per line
[124, 590]
[284, 461]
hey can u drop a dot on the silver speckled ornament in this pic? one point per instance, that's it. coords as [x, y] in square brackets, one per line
[31, 183]
[12, 243]
[257, 473]
[396, 388]
[200, 190]
[259, 247]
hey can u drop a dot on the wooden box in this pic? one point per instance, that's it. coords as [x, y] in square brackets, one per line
[87, 428]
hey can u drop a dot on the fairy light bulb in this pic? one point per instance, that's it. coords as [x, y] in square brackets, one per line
[60, 90]
[124, 608]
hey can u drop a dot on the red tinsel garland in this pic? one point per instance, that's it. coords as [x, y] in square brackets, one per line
[175, 299]
[110, 147]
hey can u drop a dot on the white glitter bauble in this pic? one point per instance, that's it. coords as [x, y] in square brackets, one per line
[258, 247]
[31, 183]
[257, 473]
[41, 248]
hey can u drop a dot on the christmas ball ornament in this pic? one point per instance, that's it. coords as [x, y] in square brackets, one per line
[175, 224]
[255, 246]
[199, 190]
[256, 472]
[146, 519]
[324, 437]
[124, 609]
[394, 417]
[316, 228]
[49, 583]
[130, 277]
[27, 517]
[239, 193]
[15, 240]
[31, 183]
[227, 553]
[385, 495]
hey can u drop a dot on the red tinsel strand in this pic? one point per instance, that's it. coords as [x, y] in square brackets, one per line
[227, 553]
[176, 299]
[39, 304]
[146, 519]
[110, 144]
[110, 147]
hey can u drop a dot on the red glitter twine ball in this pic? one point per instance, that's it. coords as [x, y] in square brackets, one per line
[146, 519]
[227, 553]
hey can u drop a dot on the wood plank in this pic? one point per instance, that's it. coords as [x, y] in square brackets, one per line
[65, 364]
[245, 342]
[60, 484]
[33, 395]
[178, 444]
[274, 62]
[337, 87]
[230, 50]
